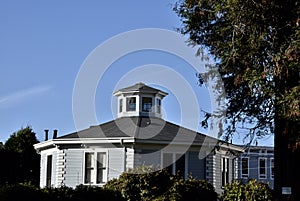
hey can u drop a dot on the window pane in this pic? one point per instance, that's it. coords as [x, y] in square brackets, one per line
[245, 167]
[225, 170]
[272, 168]
[49, 171]
[158, 105]
[131, 104]
[89, 168]
[262, 167]
[146, 104]
[121, 105]
[101, 166]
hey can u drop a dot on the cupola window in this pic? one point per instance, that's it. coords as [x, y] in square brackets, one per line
[146, 104]
[131, 104]
[158, 105]
[120, 105]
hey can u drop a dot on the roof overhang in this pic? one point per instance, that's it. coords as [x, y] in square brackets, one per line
[81, 141]
[131, 140]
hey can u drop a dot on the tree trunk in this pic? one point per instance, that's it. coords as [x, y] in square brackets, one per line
[287, 160]
[287, 150]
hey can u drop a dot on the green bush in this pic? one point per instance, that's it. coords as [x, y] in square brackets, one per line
[192, 189]
[252, 191]
[21, 192]
[81, 193]
[144, 183]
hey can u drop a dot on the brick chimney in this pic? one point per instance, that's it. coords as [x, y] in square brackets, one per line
[46, 134]
[54, 134]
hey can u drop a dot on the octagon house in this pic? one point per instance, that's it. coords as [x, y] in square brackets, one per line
[139, 136]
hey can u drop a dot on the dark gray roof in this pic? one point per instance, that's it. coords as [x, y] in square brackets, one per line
[141, 128]
[140, 87]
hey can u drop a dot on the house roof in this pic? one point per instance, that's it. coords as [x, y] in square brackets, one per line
[140, 127]
[145, 130]
[140, 87]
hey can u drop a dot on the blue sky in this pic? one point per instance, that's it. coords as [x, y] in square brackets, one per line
[44, 44]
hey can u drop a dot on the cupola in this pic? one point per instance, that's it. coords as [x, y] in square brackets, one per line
[139, 100]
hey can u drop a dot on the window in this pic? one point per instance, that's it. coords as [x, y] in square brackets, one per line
[101, 167]
[131, 104]
[49, 171]
[174, 163]
[245, 167]
[262, 168]
[272, 168]
[120, 105]
[89, 168]
[146, 104]
[225, 170]
[158, 105]
[95, 168]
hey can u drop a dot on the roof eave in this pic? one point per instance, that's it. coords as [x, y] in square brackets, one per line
[69, 141]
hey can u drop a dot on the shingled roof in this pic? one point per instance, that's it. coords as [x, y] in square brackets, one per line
[140, 87]
[140, 128]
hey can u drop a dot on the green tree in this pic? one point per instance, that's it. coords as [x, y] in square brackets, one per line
[22, 161]
[256, 46]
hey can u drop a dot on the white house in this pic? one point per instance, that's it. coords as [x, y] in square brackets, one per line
[139, 136]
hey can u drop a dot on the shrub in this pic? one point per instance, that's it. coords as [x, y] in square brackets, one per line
[192, 189]
[252, 191]
[89, 193]
[144, 183]
[58, 194]
[20, 192]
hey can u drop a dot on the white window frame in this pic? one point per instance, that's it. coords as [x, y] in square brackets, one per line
[227, 170]
[262, 176]
[174, 169]
[245, 176]
[271, 175]
[95, 172]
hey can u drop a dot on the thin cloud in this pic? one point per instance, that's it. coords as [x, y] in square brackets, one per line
[15, 98]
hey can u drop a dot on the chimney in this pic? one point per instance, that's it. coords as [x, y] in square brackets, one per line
[54, 134]
[46, 134]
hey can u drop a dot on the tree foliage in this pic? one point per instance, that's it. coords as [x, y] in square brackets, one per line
[21, 160]
[18, 192]
[251, 191]
[256, 46]
[146, 183]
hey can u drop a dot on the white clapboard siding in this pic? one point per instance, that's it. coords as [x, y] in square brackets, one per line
[60, 168]
[116, 162]
[196, 166]
[129, 158]
[73, 169]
